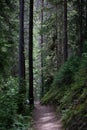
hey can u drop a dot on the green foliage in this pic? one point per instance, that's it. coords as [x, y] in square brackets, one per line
[54, 1]
[85, 48]
[66, 72]
[9, 119]
[61, 80]
[76, 101]
[22, 122]
[69, 93]
[47, 25]
[8, 34]
[8, 102]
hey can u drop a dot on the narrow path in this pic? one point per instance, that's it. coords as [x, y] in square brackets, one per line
[45, 119]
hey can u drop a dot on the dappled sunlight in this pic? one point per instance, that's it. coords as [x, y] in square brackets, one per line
[44, 118]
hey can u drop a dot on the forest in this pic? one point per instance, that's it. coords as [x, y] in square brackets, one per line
[43, 64]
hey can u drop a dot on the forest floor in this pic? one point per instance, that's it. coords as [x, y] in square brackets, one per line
[45, 118]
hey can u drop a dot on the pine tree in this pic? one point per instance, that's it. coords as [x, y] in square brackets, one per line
[65, 31]
[22, 89]
[42, 82]
[31, 97]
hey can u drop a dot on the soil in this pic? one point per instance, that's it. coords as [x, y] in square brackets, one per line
[45, 118]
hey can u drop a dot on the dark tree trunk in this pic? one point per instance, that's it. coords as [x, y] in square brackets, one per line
[31, 97]
[22, 89]
[86, 19]
[57, 53]
[65, 32]
[42, 82]
[81, 27]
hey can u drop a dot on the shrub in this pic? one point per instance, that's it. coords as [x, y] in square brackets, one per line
[8, 102]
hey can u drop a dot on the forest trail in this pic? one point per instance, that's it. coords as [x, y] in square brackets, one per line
[45, 119]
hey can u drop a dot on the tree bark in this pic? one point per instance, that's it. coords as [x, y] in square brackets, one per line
[65, 32]
[31, 97]
[86, 20]
[42, 81]
[22, 89]
[81, 28]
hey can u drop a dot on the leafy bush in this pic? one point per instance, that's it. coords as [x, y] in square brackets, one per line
[8, 102]
[22, 122]
[9, 118]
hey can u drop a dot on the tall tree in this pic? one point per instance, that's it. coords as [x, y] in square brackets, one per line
[31, 97]
[42, 82]
[65, 31]
[86, 19]
[22, 88]
[86, 14]
[80, 7]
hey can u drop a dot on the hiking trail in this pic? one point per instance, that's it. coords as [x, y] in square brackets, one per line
[45, 118]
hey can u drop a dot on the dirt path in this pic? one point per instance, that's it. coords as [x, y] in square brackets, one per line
[44, 118]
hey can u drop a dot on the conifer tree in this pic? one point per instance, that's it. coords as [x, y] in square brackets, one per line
[65, 31]
[31, 97]
[22, 88]
[42, 82]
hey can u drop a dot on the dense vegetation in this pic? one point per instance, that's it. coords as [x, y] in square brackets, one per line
[69, 93]
[10, 119]
[43, 55]
[66, 85]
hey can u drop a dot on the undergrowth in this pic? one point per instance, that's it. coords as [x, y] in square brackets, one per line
[9, 118]
[69, 92]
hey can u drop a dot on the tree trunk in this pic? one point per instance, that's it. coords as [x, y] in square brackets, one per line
[81, 28]
[22, 89]
[42, 82]
[57, 53]
[31, 97]
[65, 32]
[86, 20]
